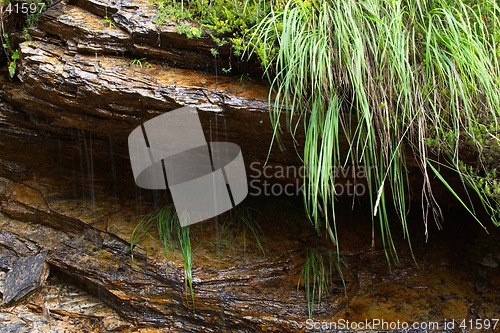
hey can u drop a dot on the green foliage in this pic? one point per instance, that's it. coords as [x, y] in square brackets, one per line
[226, 21]
[190, 31]
[107, 21]
[140, 62]
[487, 187]
[142, 229]
[317, 275]
[243, 221]
[26, 34]
[33, 16]
[13, 63]
[382, 76]
[12, 55]
[171, 235]
[185, 246]
[245, 78]
[214, 52]
[167, 224]
[33, 9]
[6, 42]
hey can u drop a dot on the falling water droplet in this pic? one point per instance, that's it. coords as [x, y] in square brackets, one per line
[59, 159]
[90, 161]
[114, 180]
[83, 171]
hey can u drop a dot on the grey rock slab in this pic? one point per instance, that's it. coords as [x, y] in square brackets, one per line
[26, 275]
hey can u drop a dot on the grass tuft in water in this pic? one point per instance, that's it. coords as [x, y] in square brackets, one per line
[317, 275]
[242, 221]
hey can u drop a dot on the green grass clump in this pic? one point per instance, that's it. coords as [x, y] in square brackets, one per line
[143, 229]
[167, 223]
[185, 246]
[171, 235]
[246, 218]
[395, 80]
[243, 221]
[240, 223]
[385, 77]
[317, 275]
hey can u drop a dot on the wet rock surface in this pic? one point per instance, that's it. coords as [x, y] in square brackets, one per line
[235, 290]
[133, 21]
[78, 74]
[61, 307]
[26, 275]
[246, 295]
